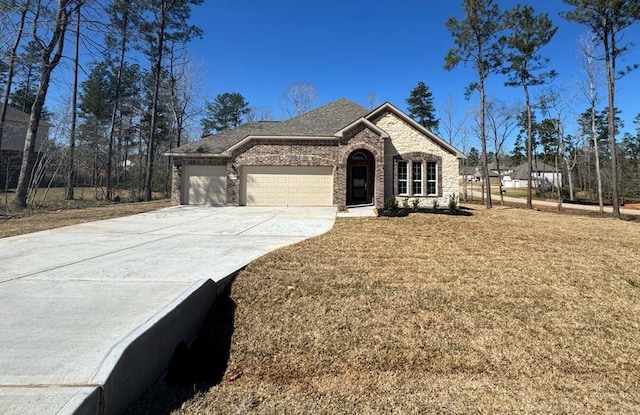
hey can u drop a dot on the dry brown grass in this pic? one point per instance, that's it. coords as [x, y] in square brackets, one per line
[507, 311]
[27, 221]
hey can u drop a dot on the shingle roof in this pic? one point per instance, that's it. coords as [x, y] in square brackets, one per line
[522, 171]
[320, 122]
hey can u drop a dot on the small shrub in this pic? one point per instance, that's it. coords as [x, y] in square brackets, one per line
[435, 204]
[390, 203]
[453, 203]
[414, 204]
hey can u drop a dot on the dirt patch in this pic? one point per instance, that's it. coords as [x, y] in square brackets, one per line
[505, 311]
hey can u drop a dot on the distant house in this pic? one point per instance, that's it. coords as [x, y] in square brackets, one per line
[468, 173]
[505, 168]
[12, 145]
[542, 175]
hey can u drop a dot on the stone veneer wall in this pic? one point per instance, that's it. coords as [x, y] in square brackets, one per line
[406, 139]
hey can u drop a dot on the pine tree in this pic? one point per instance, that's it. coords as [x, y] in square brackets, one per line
[607, 20]
[225, 112]
[527, 34]
[167, 20]
[420, 107]
[476, 40]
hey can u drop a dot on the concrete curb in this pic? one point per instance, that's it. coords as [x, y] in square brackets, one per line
[135, 363]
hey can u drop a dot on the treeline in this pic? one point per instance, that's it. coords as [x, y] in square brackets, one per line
[134, 103]
[576, 156]
[510, 43]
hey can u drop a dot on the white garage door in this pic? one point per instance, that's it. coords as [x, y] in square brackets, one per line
[205, 185]
[288, 186]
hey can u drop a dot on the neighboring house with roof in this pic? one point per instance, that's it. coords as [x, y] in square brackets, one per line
[542, 175]
[12, 145]
[340, 154]
[494, 175]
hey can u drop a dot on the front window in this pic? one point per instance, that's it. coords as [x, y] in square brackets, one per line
[402, 178]
[417, 178]
[432, 178]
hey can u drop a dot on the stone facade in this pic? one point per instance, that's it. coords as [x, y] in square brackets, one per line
[406, 141]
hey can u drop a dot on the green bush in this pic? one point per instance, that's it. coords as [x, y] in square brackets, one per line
[390, 203]
[453, 203]
[435, 204]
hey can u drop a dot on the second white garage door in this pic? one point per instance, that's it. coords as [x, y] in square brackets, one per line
[288, 186]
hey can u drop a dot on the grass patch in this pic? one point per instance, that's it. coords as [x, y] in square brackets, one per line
[55, 212]
[505, 311]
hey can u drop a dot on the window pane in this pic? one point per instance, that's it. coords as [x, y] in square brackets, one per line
[431, 171]
[402, 170]
[416, 185]
[402, 177]
[417, 170]
[432, 178]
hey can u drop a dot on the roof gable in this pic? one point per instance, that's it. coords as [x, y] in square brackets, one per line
[388, 107]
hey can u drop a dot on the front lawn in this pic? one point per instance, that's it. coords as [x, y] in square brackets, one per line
[506, 311]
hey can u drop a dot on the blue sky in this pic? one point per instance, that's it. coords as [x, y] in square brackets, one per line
[351, 48]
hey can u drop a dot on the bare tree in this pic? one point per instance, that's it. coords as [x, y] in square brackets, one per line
[502, 120]
[372, 99]
[71, 170]
[450, 127]
[607, 20]
[589, 87]
[259, 114]
[51, 53]
[299, 98]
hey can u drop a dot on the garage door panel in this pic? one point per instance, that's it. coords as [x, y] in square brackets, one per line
[205, 185]
[288, 186]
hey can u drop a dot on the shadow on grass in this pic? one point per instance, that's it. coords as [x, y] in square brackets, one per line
[196, 367]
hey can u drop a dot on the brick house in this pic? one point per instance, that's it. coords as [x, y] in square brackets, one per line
[12, 145]
[340, 154]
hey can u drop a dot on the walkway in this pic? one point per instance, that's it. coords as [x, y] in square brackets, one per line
[573, 206]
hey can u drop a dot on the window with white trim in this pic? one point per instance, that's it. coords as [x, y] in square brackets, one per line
[432, 178]
[403, 178]
[416, 178]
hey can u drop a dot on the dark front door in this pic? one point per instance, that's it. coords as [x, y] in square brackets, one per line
[359, 185]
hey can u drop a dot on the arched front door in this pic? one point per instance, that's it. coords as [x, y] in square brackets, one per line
[360, 178]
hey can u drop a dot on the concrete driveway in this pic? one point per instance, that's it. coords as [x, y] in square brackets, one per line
[91, 313]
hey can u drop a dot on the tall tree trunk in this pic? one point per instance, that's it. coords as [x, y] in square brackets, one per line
[114, 112]
[483, 135]
[610, 59]
[71, 169]
[12, 63]
[55, 47]
[529, 144]
[154, 108]
[596, 151]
